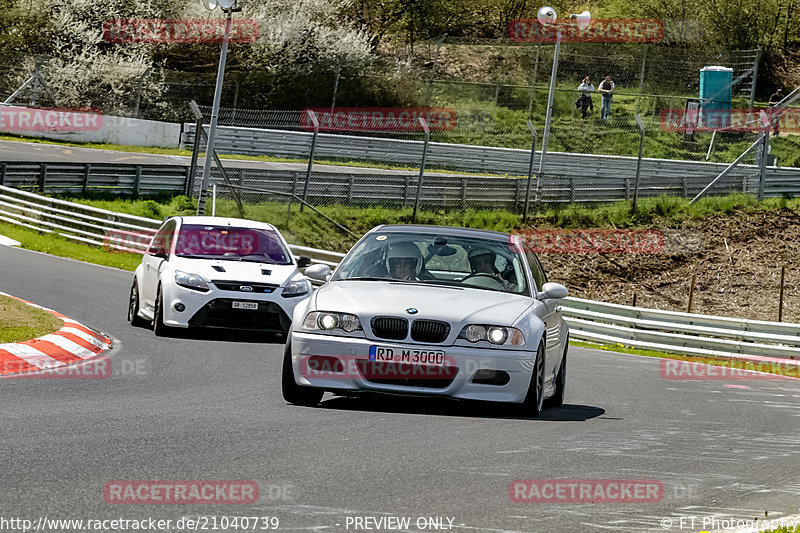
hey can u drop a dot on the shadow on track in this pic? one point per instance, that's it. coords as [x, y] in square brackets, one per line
[221, 334]
[449, 407]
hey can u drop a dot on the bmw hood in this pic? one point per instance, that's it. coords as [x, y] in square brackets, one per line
[235, 270]
[367, 299]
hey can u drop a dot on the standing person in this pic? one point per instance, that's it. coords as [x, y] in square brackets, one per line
[774, 100]
[607, 91]
[585, 99]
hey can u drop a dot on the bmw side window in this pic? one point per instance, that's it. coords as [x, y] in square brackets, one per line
[536, 271]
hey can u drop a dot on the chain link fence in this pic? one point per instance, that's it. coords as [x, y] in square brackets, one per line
[485, 106]
[357, 167]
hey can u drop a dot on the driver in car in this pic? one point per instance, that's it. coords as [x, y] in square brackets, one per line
[404, 261]
[482, 261]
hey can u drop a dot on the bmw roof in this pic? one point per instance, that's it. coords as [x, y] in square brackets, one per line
[441, 230]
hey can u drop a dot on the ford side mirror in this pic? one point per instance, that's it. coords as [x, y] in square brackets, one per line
[303, 261]
[158, 251]
[318, 272]
[553, 291]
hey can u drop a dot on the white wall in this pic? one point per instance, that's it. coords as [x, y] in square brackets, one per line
[114, 130]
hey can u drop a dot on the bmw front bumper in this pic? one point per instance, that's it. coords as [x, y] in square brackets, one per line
[465, 379]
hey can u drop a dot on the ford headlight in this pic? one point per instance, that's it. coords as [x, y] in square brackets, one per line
[191, 281]
[327, 321]
[499, 335]
[296, 288]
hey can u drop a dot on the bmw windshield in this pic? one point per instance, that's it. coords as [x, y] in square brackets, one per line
[446, 260]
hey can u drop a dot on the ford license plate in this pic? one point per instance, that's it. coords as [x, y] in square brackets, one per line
[250, 306]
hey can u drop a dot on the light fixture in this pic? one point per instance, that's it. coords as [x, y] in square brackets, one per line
[546, 15]
[582, 19]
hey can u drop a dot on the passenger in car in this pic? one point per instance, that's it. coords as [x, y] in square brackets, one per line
[482, 261]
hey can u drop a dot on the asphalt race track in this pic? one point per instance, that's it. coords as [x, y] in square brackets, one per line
[211, 409]
[52, 153]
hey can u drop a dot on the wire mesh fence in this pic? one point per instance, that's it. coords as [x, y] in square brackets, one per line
[363, 168]
[484, 108]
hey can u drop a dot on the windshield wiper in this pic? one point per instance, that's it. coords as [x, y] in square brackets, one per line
[260, 259]
[438, 282]
[367, 278]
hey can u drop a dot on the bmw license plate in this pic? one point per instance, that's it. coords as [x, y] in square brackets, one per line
[250, 306]
[405, 355]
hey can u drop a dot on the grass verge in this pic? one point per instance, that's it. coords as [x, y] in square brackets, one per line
[20, 322]
[309, 229]
[239, 157]
[739, 367]
[58, 245]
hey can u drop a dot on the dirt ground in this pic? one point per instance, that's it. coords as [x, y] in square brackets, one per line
[738, 267]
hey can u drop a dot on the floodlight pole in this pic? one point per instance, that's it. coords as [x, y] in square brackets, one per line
[546, 135]
[212, 132]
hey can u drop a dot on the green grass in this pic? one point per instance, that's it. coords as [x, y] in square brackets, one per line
[20, 322]
[782, 370]
[58, 245]
[794, 529]
[238, 157]
[309, 229]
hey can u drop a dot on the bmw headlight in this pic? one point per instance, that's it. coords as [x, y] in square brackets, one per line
[499, 335]
[297, 287]
[328, 321]
[191, 281]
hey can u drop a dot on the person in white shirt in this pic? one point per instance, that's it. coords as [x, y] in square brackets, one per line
[607, 91]
[584, 102]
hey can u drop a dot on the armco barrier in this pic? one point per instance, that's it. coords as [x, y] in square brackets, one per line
[79, 178]
[91, 225]
[568, 177]
[592, 321]
[682, 333]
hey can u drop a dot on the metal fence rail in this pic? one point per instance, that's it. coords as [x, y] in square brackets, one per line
[74, 221]
[682, 333]
[589, 320]
[567, 177]
[98, 227]
[79, 178]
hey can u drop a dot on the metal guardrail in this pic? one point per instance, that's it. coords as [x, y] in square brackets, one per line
[592, 321]
[79, 178]
[74, 221]
[683, 333]
[568, 177]
[99, 227]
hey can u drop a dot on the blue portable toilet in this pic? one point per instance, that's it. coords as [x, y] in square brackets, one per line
[715, 96]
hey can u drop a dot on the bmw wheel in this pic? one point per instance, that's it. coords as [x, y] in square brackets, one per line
[534, 401]
[292, 392]
[557, 399]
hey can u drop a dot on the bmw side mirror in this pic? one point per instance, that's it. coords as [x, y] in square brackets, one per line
[553, 291]
[303, 261]
[318, 272]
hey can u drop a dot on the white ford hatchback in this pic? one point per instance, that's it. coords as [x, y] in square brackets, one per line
[218, 273]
